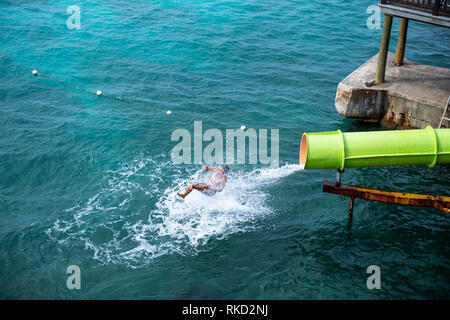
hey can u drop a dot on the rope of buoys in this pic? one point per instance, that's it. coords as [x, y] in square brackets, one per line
[101, 93]
[98, 92]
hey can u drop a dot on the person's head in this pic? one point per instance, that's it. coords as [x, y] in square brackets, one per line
[225, 168]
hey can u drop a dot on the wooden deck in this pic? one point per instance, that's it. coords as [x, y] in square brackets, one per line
[435, 12]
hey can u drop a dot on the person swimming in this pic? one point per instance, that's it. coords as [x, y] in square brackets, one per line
[215, 183]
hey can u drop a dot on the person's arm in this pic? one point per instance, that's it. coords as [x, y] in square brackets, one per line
[209, 168]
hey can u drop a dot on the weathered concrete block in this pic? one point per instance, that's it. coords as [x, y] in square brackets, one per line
[363, 104]
[413, 95]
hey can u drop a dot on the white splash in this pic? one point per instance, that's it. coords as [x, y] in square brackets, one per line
[172, 225]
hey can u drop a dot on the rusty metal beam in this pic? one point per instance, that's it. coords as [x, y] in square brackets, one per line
[421, 200]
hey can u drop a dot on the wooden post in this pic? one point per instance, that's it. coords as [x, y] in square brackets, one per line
[401, 44]
[384, 47]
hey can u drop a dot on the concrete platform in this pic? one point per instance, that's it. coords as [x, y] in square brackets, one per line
[413, 96]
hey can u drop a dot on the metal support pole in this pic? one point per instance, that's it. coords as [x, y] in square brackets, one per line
[384, 47]
[401, 44]
[437, 4]
[350, 211]
[339, 173]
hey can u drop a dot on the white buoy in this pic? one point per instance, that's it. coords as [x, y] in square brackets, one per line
[99, 93]
[169, 112]
[243, 128]
[35, 73]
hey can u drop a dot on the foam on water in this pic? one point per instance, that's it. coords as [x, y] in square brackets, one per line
[133, 218]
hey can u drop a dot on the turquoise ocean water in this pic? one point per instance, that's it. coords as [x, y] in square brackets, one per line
[88, 181]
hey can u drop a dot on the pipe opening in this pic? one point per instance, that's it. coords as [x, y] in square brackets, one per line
[303, 150]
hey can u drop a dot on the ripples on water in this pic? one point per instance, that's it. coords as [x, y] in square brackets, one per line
[105, 226]
[89, 181]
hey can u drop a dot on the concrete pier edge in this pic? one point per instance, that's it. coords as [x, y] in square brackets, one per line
[413, 95]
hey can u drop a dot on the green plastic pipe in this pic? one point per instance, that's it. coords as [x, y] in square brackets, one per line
[337, 150]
